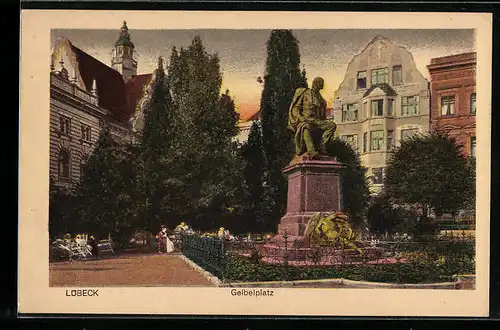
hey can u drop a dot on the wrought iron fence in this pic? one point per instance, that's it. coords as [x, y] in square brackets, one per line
[207, 252]
[245, 259]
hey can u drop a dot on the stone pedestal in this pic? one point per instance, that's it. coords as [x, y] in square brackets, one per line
[314, 185]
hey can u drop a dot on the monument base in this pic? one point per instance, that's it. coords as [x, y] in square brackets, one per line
[314, 185]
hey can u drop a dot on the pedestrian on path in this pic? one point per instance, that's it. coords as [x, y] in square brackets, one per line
[95, 247]
[161, 238]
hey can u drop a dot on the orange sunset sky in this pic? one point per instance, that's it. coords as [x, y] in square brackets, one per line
[242, 53]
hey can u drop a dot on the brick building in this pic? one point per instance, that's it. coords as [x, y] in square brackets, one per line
[453, 98]
[84, 94]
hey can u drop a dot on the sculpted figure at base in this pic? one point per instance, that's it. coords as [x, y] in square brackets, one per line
[307, 120]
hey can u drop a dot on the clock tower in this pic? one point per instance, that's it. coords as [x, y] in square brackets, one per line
[123, 58]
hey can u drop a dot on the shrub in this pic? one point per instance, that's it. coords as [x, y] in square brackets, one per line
[415, 271]
[427, 262]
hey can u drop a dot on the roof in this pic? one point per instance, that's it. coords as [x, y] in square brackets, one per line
[124, 38]
[464, 57]
[133, 88]
[248, 112]
[110, 85]
[386, 88]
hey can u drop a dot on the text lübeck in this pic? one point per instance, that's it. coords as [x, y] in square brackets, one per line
[82, 293]
[252, 293]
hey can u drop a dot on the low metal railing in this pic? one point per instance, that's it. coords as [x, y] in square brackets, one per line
[208, 252]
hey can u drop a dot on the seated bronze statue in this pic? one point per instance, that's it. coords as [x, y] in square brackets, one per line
[307, 120]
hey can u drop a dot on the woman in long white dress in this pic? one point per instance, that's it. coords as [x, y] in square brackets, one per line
[169, 244]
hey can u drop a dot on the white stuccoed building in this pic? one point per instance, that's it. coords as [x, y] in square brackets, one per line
[382, 99]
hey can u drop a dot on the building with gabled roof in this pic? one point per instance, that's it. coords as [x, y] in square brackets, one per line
[382, 100]
[85, 94]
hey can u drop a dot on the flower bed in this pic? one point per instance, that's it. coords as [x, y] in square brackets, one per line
[240, 269]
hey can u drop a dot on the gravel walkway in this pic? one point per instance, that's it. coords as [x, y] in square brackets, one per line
[132, 270]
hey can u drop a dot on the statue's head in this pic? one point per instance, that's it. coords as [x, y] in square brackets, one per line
[318, 83]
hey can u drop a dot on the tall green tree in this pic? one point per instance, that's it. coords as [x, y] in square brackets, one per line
[253, 157]
[156, 160]
[205, 125]
[282, 77]
[354, 186]
[103, 203]
[430, 171]
[61, 210]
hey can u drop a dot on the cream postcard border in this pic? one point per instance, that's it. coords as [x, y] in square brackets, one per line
[34, 293]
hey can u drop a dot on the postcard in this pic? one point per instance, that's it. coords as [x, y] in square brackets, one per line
[254, 163]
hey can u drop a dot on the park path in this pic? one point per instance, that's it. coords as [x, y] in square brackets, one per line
[128, 270]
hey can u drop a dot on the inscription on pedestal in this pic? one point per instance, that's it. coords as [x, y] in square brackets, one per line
[313, 186]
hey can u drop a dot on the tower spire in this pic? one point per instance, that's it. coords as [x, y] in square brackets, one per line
[123, 59]
[124, 37]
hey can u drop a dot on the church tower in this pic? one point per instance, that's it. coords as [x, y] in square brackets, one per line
[123, 57]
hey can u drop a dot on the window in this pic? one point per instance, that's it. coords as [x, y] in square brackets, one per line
[377, 140]
[379, 76]
[361, 82]
[378, 175]
[406, 133]
[86, 136]
[349, 112]
[447, 105]
[473, 146]
[82, 164]
[83, 161]
[64, 125]
[390, 106]
[366, 110]
[120, 50]
[390, 140]
[473, 104]
[397, 75]
[377, 108]
[409, 105]
[365, 141]
[352, 140]
[63, 165]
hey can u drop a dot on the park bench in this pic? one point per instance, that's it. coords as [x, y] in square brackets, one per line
[106, 245]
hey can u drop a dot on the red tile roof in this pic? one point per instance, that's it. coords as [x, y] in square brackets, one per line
[133, 90]
[110, 85]
[248, 112]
